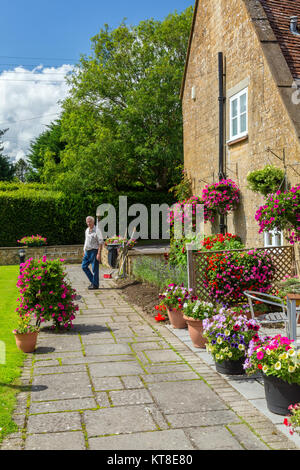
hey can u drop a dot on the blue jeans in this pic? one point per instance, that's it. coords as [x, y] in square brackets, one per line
[90, 258]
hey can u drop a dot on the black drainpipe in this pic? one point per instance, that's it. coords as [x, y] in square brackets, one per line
[221, 131]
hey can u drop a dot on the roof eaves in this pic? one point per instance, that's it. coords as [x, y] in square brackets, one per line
[189, 49]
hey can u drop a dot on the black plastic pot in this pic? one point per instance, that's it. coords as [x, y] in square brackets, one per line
[229, 367]
[112, 256]
[280, 395]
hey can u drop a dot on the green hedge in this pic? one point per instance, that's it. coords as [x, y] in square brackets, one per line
[57, 216]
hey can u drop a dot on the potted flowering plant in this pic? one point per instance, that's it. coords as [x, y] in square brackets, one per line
[45, 292]
[228, 336]
[279, 362]
[25, 333]
[281, 211]
[173, 299]
[33, 240]
[194, 312]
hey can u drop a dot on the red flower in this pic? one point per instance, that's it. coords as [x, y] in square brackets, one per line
[160, 317]
[259, 366]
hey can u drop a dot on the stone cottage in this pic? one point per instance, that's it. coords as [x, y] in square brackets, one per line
[240, 100]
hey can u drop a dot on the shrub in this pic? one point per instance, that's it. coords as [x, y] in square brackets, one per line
[229, 274]
[159, 273]
[58, 216]
[45, 292]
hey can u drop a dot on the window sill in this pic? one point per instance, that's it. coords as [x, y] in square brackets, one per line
[238, 140]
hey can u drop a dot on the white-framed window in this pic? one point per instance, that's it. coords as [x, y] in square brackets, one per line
[239, 115]
[273, 238]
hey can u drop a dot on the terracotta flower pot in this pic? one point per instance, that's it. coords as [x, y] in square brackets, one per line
[195, 328]
[176, 318]
[26, 342]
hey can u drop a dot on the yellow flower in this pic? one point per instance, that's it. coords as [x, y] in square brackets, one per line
[217, 356]
[241, 347]
[291, 352]
[227, 332]
[265, 368]
[278, 365]
[219, 340]
[268, 351]
[291, 368]
[283, 356]
[230, 354]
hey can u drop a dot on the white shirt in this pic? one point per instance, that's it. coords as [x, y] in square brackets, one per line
[93, 239]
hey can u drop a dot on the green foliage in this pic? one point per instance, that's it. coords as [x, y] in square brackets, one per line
[199, 310]
[122, 121]
[47, 146]
[159, 273]
[58, 216]
[267, 180]
[21, 169]
[6, 167]
[182, 190]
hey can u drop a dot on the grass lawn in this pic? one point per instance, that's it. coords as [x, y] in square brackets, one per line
[10, 370]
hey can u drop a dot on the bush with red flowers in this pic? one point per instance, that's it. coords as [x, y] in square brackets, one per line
[229, 274]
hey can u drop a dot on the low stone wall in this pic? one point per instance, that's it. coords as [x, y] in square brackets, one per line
[70, 253]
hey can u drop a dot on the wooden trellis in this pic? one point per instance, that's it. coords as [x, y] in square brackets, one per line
[283, 258]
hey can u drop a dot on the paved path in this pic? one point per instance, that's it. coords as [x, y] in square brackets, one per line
[119, 381]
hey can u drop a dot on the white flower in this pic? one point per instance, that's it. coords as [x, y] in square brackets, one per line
[265, 368]
[219, 340]
[291, 368]
[241, 347]
[291, 352]
[185, 305]
[278, 365]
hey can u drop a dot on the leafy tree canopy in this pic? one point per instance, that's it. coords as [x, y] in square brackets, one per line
[122, 121]
[6, 167]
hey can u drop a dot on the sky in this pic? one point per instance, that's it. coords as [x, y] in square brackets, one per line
[41, 40]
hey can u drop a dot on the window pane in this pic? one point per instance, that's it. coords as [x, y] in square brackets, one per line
[234, 108]
[243, 103]
[234, 124]
[243, 123]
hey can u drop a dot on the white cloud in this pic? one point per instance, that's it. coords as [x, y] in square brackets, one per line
[29, 101]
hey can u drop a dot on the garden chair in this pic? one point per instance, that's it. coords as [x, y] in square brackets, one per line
[280, 316]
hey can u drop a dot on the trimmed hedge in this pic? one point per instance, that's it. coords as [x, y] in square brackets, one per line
[57, 216]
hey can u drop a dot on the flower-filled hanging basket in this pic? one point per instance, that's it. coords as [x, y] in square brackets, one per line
[220, 198]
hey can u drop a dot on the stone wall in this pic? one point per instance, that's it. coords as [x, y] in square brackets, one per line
[70, 253]
[223, 26]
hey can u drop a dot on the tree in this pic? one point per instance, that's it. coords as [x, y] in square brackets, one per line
[6, 167]
[20, 169]
[47, 145]
[122, 121]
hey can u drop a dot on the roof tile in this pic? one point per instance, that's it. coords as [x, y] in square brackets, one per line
[279, 13]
